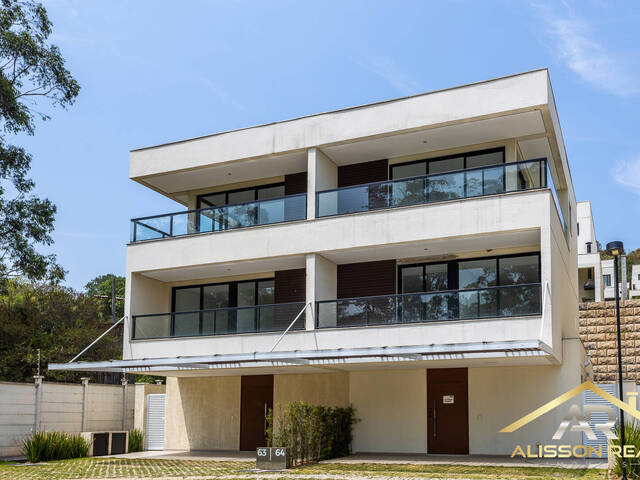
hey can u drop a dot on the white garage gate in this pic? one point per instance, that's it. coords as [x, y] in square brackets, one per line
[154, 435]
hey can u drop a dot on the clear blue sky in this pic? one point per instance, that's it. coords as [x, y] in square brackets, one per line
[157, 71]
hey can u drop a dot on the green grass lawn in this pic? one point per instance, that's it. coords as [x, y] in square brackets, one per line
[89, 468]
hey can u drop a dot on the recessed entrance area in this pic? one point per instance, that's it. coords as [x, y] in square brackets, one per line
[448, 411]
[256, 401]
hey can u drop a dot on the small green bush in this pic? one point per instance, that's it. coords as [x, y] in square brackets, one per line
[312, 432]
[136, 438]
[45, 446]
[631, 437]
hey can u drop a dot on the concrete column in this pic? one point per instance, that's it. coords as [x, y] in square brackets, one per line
[38, 401]
[85, 396]
[511, 151]
[124, 382]
[322, 174]
[322, 278]
[139, 410]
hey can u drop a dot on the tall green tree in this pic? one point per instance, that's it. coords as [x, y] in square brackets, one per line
[58, 321]
[31, 69]
[101, 287]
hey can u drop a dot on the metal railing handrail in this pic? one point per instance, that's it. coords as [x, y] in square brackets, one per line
[198, 210]
[430, 175]
[397, 303]
[208, 310]
[433, 292]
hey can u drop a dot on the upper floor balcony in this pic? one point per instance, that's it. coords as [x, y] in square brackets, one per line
[471, 142]
[453, 183]
[267, 211]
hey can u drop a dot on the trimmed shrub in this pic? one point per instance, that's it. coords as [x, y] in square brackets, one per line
[45, 446]
[312, 432]
[136, 438]
[631, 437]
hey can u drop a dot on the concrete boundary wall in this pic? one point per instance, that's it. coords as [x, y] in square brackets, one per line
[61, 408]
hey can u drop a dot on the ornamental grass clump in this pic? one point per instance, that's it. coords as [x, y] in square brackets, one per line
[312, 432]
[45, 446]
[631, 437]
[136, 438]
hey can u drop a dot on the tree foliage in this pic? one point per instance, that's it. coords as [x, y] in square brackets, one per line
[101, 286]
[30, 69]
[58, 321]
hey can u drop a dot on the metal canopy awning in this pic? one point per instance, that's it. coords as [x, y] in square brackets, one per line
[460, 351]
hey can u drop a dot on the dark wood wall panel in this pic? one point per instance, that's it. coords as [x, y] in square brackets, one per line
[359, 173]
[367, 279]
[290, 285]
[295, 183]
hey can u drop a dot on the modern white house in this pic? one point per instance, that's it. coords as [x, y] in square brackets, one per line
[416, 258]
[589, 266]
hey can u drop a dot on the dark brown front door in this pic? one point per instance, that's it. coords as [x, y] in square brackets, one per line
[448, 411]
[256, 399]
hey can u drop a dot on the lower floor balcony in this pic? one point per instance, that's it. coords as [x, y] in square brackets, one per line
[411, 308]
[468, 304]
[218, 321]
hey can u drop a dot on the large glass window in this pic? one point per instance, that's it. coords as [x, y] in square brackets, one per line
[449, 164]
[244, 195]
[409, 170]
[246, 298]
[436, 277]
[487, 287]
[484, 159]
[477, 273]
[518, 270]
[213, 297]
[215, 300]
[187, 300]
[412, 279]
[446, 165]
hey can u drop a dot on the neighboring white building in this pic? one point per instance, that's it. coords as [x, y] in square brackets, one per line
[589, 269]
[421, 241]
[634, 291]
[608, 279]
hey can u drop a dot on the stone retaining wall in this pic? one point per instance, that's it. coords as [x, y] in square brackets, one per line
[598, 333]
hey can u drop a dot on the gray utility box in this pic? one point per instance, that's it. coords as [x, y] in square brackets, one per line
[272, 458]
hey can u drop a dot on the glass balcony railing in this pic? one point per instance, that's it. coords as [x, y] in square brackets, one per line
[476, 182]
[219, 321]
[492, 302]
[218, 219]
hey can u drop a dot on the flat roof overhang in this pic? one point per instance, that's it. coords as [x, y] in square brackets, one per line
[333, 359]
[519, 106]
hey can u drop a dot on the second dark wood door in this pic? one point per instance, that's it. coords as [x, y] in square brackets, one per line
[256, 400]
[448, 411]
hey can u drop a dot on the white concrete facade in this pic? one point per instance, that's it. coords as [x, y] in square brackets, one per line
[589, 266]
[513, 363]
